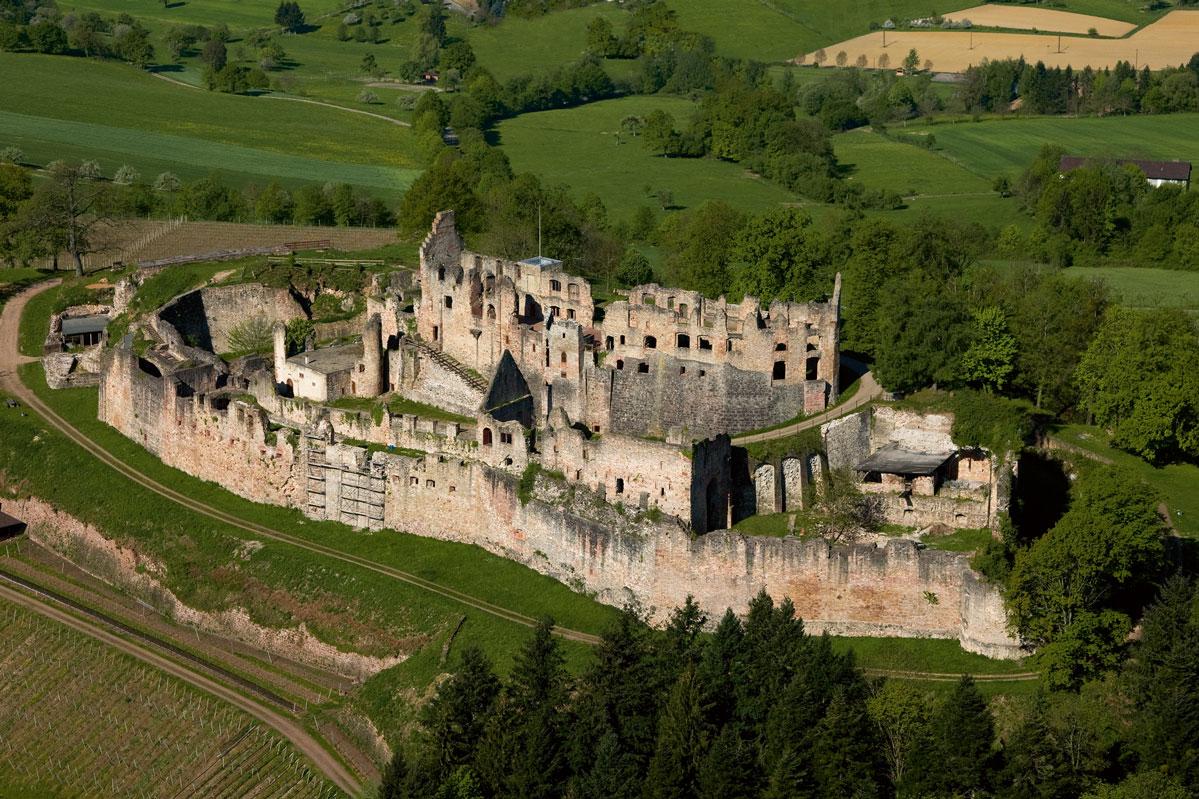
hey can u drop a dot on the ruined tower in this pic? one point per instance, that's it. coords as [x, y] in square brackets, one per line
[370, 380]
[280, 347]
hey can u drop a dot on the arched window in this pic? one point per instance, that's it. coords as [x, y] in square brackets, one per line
[619, 363]
[651, 342]
[619, 485]
[487, 436]
[780, 347]
[555, 285]
[812, 368]
[563, 357]
[491, 312]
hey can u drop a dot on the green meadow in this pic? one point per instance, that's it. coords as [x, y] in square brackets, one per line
[879, 162]
[57, 107]
[1006, 146]
[1139, 287]
[580, 147]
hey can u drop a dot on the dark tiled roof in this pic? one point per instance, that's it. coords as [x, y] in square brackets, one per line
[1154, 170]
[77, 325]
[893, 460]
[10, 525]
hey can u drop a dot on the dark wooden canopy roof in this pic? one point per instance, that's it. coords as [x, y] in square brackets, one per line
[893, 460]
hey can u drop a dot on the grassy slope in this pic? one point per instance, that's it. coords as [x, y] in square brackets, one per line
[578, 146]
[1139, 287]
[1178, 484]
[1007, 146]
[880, 162]
[59, 106]
[522, 46]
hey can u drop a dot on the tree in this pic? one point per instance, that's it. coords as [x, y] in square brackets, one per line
[846, 752]
[47, 36]
[779, 255]
[884, 61]
[455, 720]
[921, 331]
[819, 57]
[394, 781]
[1144, 785]
[448, 183]
[861, 61]
[698, 246]
[214, 55]
[1163, 674]
[842, 58]
[289, 16]
[990, 358]
[1137, 379]
[911, 62]
[728, 770]
[369, 65]
[274, 205]
[682, 740]
[600, 38]
[634, 269]
[523, 752]
[70, 208]
[900, 713]
[958, 759]
[126, 176]
[1073, 590]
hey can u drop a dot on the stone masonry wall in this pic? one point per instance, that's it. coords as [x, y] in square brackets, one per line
[899, 590]
[206, 316]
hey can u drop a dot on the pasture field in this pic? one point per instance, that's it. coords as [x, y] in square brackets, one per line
[879, 162]
[70, 107]
[1040, 19]
[1007, 146]
[1139, 287]
[1167, 42]
[522, 46]
[81, 719]
[580, 148]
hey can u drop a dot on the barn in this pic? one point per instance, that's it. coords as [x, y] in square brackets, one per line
[1157, 173]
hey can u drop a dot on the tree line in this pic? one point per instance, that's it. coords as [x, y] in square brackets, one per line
[67, 211]
[43, 28]
[760, 709]
[1102, 213]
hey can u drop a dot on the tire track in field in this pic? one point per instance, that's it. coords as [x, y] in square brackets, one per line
[289, 729]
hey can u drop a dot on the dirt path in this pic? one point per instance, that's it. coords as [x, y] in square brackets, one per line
[10, 382]
[868, 390]
[288, 728]
[398, 122]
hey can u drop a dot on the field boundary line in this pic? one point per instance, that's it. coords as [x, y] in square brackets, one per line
[290, 730]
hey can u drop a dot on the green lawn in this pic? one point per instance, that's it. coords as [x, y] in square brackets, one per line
[522, 46]
[1006, 146]
[74, 108]
[1146, 288]
[1178, 484]
[959, 540]
[882, 163]
[579, 147]
[924, 654]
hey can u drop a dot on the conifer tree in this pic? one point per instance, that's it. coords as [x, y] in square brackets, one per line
[613, 773]
[845, 748]
[454, 721]
[394, 782]
[959, 758]
[682, 742]
[728, 771]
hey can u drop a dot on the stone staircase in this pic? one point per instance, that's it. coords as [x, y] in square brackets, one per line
[448, 363]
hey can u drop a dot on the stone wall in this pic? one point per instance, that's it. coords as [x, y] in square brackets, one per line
[898, 590]
[205, 317]
[209, 435]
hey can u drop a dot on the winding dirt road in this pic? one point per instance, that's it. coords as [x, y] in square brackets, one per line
[10, 382]
[289, 728]
[10, 359]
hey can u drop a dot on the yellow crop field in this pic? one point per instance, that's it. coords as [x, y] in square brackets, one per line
[1169, 42]
[1040, 19]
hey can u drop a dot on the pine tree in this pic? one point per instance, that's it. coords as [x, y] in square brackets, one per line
[846, 750]
[792, 776]
[455, 719]
[523, 751]
[959, 759]
[719, 667]
[613, 774]
[682, 741]
[394, 783]
[728, 771]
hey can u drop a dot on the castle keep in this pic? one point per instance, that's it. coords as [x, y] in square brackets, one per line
[493, 402]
